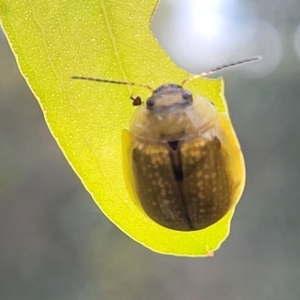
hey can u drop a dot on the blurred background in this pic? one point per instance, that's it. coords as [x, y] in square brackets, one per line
[56, 244]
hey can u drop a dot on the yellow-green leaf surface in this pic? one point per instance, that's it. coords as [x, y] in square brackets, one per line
[55, 39]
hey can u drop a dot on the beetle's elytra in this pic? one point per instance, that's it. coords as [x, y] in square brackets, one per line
[186, 166]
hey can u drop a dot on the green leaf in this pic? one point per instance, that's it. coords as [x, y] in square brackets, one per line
[55, 39]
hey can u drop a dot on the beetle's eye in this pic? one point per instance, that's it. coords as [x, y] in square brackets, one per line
[150, 102]
[187, 95]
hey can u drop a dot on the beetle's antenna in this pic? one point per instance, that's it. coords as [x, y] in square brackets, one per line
[113, 81]
[219, 69]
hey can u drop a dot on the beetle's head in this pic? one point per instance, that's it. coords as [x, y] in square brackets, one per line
[168, 97]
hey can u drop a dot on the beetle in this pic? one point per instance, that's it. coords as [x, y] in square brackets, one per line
[186, 166]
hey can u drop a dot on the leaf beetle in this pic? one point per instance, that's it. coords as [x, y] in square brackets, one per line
[186, 165]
